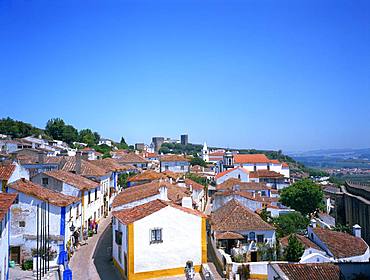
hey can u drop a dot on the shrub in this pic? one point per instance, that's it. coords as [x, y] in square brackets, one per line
[27, 265]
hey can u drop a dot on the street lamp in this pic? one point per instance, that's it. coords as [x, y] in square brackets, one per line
[72, 228]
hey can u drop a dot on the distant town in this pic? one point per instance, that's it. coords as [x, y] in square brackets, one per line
[78, 205]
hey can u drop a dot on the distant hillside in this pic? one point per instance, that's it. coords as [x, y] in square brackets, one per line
[18, 129]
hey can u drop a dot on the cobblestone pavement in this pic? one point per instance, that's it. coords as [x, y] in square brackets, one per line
[82, 264]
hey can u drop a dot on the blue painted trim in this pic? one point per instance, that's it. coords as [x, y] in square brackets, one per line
[62, 234]
[7, 265]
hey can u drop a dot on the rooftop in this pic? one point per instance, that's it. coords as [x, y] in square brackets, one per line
[305, 241]
[44, 194]
[341, 244]
[130, 158]
[6, 200]
[168, 158]
[250, 158]
[219, 175]
[140, 192]
[314, 271]
[130, 215]
[265, 174]
[6, 171]
[233, 182]
[235, 217]
[75, 180]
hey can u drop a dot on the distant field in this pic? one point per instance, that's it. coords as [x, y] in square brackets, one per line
[329, 162]
[355, 178]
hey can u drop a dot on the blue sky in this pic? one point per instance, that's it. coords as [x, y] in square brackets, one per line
[291, 75]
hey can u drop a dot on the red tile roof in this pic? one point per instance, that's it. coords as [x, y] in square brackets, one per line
[228, 235]
[265, 174]
[216, 154]
[6, 171]
[312, 271]
[75, 180]
[235, 217]
[87, 169]
[110, 164]
[284, 164]
[149, 175]
[305, 241]
[130, 215]
[169, 158]
[194, 185]
[131, 158]
[340, 244]
[6, 200]
[44, 194]
[250, 158]
[231, 184]
[140, 192]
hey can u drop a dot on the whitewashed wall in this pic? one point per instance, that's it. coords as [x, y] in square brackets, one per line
[182, 241]
[244, 176]
[4, 246]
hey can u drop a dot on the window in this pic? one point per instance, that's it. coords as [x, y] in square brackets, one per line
[88, 198]
[156, 235]
[252, 236]
[166, 167]
[96, 194]
[45, 181]
[22, 224]
[268, 167]
[260, 238]
[120, 254]
[255, 168]
[70, 213]
[118, 237]
[77, 211]
[182, 167]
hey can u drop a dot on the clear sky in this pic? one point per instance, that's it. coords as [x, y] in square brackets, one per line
[291, 75]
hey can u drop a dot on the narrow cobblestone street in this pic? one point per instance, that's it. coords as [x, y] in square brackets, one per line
[82, 262]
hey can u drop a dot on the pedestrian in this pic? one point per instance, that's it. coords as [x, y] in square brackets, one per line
[96, 227]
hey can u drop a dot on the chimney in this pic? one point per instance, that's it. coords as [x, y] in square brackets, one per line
[187, 202]
[313, 223]
[163, 192]
[170, 180]
[41, 157]
[356, 230]
[78, 162]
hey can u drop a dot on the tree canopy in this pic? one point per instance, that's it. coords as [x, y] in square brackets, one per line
[304, 196]
[57, 129]
[198, 161]
[18, 129]
[290, 223]
[294, 250]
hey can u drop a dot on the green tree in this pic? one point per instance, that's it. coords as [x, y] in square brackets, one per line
[55, 128]
[88, 137]
[290, 223]
[198, 161]
[18, 129]
[122, 144]
[200, 180]
[294, 250]
[70, 134]
[304, 196]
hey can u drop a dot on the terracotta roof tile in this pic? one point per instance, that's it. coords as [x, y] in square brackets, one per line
[265, 174]
[110, 164]
[194, 185]
[6, 171]
[51, 196]
[149, 175]
[75, 180]
[340, 244]
[169, 158]
[130, 215]
[234, 217]
[305, 241]
[229, 235]
[139, 192]
[314, 271]
[130, 158]
[234, 183]
[87, 169]
[6, 200]
[250, 158]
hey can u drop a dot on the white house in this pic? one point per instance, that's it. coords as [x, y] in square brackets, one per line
[234, 222]
[237, 173]
[205, 153]
[156, 239]
[144, 193]
[6, 200]
[338, 246]
[174, 163]
[10, 173]
[63, 212]
[88, 191]
[107, 142]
